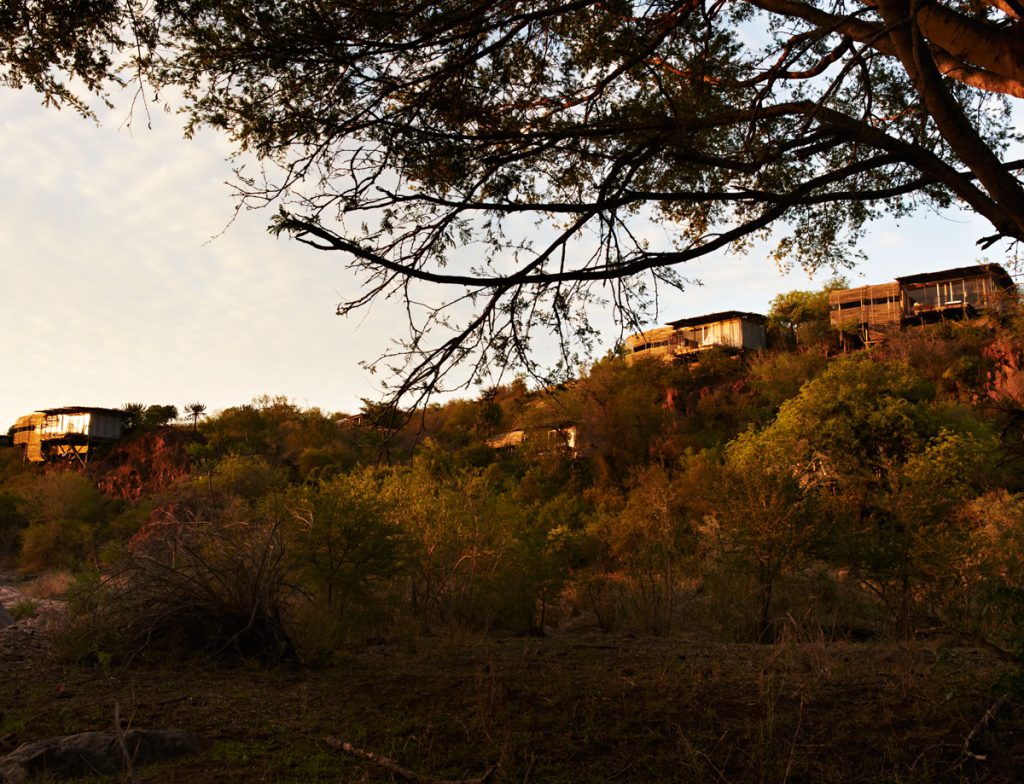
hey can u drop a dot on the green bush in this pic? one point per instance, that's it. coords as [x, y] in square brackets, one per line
[58, 544]
[12, 522]
[348, 553]
[26, 608]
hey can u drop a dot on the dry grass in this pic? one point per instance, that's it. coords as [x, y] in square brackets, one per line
[49, 585]
[570, 708]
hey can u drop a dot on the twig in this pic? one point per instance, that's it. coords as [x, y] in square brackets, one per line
[397, 770]
[128, 766]
[983, 722]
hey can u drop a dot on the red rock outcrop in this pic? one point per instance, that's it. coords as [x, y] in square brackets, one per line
[144, 463]
[1006, 379]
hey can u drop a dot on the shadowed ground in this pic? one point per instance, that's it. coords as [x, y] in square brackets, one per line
[572, 708]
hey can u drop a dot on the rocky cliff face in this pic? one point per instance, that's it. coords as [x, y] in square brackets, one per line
[143, 463]
[1006, 379]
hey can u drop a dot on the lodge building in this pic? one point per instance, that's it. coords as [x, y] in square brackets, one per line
[871, 313]
[69, 433]
[686, 339]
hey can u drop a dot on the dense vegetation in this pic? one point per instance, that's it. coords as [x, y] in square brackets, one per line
[876, 494]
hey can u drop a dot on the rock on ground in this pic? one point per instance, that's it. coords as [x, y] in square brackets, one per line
[44, 611]
[88, 753]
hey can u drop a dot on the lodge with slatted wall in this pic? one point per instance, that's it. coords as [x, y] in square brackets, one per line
[870, 313]
[686, 339]
[69, 433]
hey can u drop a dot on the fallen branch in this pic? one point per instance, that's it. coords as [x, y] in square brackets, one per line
[983, 722]
[392, 767]
[975, 639]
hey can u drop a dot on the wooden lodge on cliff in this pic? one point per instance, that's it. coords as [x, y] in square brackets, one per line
[871, 313]
[560, 437]
[69, 433]
[686, 339]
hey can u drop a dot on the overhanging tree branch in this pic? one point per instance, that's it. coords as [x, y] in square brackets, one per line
[504, 168]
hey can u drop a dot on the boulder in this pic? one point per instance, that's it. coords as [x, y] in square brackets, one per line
[6, 619]
[89, 753]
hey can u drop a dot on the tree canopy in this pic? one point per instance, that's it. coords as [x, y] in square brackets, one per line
[502, 167]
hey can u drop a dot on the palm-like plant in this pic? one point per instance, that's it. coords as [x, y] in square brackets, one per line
[194, 411]
[132, 415]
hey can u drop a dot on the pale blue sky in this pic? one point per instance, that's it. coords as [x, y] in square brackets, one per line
[113, 291]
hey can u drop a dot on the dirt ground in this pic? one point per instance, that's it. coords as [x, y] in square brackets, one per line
[572, 708]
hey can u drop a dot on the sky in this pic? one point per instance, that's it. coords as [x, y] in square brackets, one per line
[121, 280]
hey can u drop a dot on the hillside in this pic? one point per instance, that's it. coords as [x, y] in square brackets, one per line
[839, 536]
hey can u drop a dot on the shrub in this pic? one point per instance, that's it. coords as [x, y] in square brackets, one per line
[347, 553]
[56, 544]
[62, 495]
[648, 538]
[12, 521]
[994, 567]
[218, 589]
[26, 608]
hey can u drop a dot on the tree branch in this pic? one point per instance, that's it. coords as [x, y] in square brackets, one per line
[392, 767]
